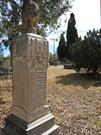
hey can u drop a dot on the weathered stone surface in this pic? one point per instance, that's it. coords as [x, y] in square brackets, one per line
[43, 126]
[30, 77]
[30, 114]
[30, 16]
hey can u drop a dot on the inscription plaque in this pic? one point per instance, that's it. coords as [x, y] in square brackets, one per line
[39, 88]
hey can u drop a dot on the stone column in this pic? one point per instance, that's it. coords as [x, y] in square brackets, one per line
[30, 114]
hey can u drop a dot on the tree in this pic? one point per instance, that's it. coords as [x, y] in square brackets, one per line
[13, 12]
[61, 50]
[87, 53]
[71, 33]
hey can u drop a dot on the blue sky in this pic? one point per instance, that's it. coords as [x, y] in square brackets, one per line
[87, 15]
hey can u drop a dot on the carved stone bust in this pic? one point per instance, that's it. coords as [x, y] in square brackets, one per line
[32, 17]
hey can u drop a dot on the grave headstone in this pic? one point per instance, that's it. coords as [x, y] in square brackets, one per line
[30, 114]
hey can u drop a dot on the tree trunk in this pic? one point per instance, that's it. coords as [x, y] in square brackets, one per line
[25, 15]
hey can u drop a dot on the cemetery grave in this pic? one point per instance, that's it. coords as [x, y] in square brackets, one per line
[74, 99]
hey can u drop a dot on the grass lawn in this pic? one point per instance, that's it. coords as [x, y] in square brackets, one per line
[74, 99]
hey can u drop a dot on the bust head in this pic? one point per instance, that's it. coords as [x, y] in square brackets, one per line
[33, 9]
[32, 16]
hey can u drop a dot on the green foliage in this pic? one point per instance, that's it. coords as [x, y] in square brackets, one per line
[11, 16]
[53, 59]
[87, 53]
[6, 58]
[61, 50]
[71, 33]
[51, 10]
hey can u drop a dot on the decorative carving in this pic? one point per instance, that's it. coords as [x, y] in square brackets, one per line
[30, 16]
[23, 72]
[39, 62]
[21, 47]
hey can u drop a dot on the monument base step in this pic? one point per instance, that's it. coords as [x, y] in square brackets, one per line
[52, 131]
[42, 126]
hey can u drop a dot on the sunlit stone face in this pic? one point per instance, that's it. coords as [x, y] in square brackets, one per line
[30, 60]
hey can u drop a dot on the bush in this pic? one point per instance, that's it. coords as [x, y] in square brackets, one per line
[87, 53]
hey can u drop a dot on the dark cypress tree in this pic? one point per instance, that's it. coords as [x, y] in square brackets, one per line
[61, 50]
[71, 33]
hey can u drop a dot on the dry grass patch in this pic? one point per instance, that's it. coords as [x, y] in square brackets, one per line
[74, 99]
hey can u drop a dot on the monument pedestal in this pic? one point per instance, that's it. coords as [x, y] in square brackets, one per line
[30, 114]
[42, 126]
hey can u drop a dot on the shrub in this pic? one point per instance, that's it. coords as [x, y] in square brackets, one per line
[87, 53]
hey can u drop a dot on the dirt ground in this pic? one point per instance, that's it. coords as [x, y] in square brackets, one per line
[74, 100]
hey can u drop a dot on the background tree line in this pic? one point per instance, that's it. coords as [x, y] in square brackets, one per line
[71, 36]
[83, 53]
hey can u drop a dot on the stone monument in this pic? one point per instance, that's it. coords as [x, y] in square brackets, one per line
[30, 114]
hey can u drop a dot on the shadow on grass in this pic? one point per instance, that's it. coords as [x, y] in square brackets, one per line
[76, 79]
